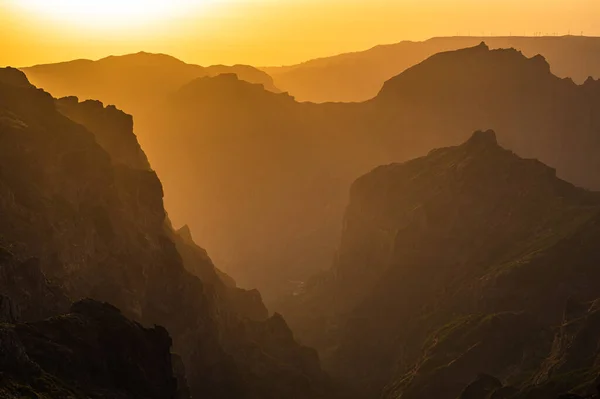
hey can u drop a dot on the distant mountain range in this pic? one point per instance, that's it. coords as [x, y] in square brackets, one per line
[275, 193]
[132, 82]
[359, 76]
[261, 179]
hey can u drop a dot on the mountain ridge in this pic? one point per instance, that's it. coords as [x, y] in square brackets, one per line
[359, 76]
[130, 80]
[486, 300]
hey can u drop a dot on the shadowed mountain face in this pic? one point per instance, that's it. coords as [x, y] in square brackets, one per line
[469, 260]
[81, 208]
[359, 76]
[132, 82]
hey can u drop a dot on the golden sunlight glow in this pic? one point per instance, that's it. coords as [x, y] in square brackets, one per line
[108, 13]
[265, 32]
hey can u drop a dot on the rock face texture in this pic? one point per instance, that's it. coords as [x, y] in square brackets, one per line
[26, 293]
[91, 352]
[464, 262]
[82, 210]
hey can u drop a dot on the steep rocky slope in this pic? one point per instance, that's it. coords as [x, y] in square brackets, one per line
[467, 261]
[82, 205]
[359, 76]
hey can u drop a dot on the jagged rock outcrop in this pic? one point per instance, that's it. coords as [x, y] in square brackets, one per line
[231, 300]
[456, 264]
[91, 352]
[111, 127]
[90, 211]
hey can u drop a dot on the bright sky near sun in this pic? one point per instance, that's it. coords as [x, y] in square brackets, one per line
[264, 32]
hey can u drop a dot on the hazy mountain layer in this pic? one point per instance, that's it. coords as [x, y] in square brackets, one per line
[81, 206]
[268, 176]
[469, 260]
[262, 180]
[359, 76]
[133, 82]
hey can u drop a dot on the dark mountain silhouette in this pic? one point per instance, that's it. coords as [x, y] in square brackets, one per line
[133, 82]
[82, 209]
[91, 352]
[359, 76]
[464, 262]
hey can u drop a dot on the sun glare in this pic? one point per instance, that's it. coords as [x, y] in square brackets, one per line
[109, 13]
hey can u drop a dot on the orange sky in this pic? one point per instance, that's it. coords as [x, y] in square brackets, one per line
[264, 32]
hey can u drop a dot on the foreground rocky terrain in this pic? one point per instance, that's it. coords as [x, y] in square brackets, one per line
[82, 210]
[91, 352]
[468, 265]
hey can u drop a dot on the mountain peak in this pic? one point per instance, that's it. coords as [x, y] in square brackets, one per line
[463, 71]
[142, 58]
[13, 77]
[224, 86]
[482, 138]
[186, 233]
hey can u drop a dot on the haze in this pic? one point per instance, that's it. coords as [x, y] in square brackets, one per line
[265, 32]
[300, 199]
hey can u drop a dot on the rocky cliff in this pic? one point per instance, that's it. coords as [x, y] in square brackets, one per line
[467, 261]
[91, 352]
[78, 196]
